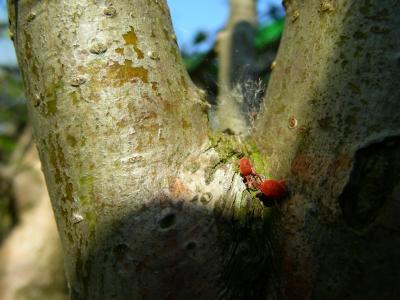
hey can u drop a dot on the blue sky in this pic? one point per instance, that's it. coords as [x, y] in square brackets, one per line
[188, 17]
[191, 16]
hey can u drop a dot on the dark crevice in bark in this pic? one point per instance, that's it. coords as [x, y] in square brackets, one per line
[375, 174]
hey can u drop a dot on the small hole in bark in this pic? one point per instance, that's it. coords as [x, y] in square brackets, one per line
[78, 80]
[120, 251]
[31, 17]
[36, 100]
[295, 16]
[77, 218]
[167, 221]
[292, 122]
[153, 55]
[195, 198]
[98, 47]
[110, 11]
[191, 245]
[205, 198]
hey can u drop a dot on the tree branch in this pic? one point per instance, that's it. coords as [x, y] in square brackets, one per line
[142, 193]
[332, 95]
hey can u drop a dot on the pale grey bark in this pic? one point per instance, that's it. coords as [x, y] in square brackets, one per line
[236, 69]
[148, 203]
[331, 127]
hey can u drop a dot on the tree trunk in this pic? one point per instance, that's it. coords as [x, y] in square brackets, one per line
[331, 127]
[148, 202]
[237, 97]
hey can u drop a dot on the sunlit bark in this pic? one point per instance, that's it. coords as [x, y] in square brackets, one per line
[148, 202]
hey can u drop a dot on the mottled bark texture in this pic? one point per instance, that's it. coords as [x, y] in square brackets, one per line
[237, 96]
[331, 127]
[31, 263]
[148, 203]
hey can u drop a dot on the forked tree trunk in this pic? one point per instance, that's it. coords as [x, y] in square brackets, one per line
[148, 201]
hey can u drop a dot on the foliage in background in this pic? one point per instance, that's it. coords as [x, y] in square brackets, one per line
[269, 33]
[13, 119]
[203, 66]
[13, 114]
[266, 34]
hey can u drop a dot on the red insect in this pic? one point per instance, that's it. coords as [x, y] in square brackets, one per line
[250, 176]
[270, 189]
[273, 189]
[245, 167]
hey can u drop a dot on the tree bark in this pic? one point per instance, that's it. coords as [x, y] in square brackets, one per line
[148, 202]
[331, 127]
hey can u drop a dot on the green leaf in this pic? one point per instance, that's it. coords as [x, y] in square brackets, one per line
[269, 33]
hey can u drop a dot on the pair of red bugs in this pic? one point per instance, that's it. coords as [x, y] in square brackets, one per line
[270, 188]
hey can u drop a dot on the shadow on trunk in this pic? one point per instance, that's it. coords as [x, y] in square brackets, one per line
[175, 258]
